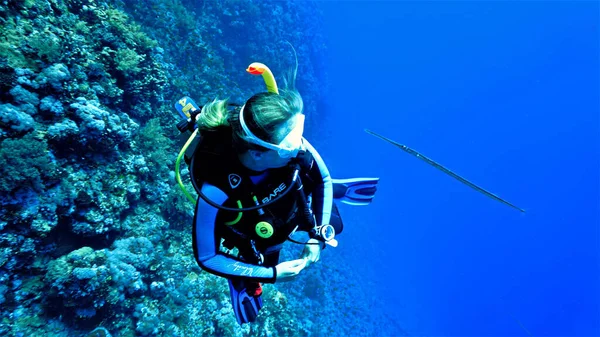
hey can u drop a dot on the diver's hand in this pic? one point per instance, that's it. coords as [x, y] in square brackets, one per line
[286, 271]
[311, 252]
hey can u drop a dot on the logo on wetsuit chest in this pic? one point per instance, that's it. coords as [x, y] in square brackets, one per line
[234, 180]
[276, 191]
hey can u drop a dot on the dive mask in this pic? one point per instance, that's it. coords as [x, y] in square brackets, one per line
[289, 146]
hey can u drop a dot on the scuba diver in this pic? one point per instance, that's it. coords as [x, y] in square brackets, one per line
[259, 181]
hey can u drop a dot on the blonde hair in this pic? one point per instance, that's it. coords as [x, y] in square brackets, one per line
[266, 114]
[213, 115]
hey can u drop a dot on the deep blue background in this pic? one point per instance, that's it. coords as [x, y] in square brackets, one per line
[505, 94]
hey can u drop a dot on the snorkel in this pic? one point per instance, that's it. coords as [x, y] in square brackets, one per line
[257, 68]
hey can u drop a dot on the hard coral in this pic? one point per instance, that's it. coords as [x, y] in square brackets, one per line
[26, 163]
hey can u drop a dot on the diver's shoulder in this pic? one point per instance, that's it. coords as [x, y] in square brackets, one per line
[216, 140]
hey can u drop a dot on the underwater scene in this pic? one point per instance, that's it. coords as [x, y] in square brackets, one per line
[299, 168]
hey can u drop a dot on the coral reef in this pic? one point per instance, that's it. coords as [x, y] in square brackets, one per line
[94, 234]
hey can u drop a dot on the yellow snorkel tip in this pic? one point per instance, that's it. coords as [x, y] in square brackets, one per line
[257, 68]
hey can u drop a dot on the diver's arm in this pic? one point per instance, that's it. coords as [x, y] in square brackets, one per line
[206, 243]
[322, 196]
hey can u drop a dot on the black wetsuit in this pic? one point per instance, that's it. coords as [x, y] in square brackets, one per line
[217, 171]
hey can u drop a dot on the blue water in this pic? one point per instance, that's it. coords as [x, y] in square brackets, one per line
[505, 94]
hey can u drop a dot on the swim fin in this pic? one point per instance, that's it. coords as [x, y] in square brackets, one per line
[245, 299]
[355, 191]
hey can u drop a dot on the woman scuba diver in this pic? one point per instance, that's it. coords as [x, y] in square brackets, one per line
[259, 181]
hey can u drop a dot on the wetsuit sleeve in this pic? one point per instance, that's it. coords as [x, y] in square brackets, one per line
[206, 243]
[322, 196]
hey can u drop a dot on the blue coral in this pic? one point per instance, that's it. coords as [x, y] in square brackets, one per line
[54, 76]
[23, 96]
[63, 131]
[80, 282]
[51, 106]
[14, 119]
[26, 77]
[100, 127]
